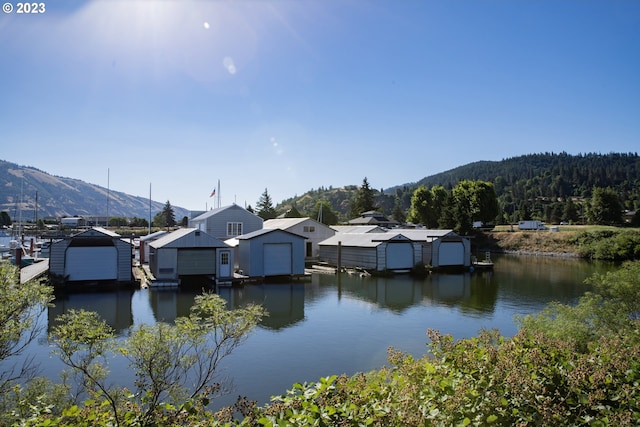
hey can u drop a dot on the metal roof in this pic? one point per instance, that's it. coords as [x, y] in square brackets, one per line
[182, 232]
[284, 223]
[215, 211]
[263, 231]
[358, 229]
[375, 239]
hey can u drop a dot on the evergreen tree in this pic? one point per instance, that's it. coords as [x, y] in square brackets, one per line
[364, 200]
[265, 206]
[398, 212]
[570, 212]
[5, 219]
[604, 207]
[293, 212]
[166, 217]
[328, 217]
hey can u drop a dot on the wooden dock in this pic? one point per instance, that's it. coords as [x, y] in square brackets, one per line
[34, 270]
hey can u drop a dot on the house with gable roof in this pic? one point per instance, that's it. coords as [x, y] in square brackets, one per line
[227, 222]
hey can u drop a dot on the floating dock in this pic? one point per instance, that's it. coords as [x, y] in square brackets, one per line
[35, 270]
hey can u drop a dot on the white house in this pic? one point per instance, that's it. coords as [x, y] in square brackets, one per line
[190, 252]
[314, 231]
[94, 255]
[226, 222]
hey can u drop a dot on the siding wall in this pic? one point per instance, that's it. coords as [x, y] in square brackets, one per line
[58, 255]
[216, 224]
[352, 256]
[251, 252]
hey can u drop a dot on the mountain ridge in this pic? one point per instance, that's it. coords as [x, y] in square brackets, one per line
[24, 187]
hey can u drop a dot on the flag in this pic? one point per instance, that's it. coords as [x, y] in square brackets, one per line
[213, 193]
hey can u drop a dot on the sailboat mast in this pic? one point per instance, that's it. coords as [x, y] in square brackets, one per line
[149, 208]
[108, 173]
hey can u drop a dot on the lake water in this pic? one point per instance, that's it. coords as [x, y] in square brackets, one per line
[342, 324]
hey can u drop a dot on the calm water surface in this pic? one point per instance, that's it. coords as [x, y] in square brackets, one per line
[342, 324]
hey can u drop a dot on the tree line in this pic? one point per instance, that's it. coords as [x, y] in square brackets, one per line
[553, 188]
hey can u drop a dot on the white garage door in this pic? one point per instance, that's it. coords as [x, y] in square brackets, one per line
[399, 256]
[451, 253]
[277, 259]
[92, 263]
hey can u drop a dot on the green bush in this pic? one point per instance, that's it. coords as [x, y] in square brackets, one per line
[613, 245]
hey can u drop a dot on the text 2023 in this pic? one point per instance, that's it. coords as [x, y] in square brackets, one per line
[31, 8]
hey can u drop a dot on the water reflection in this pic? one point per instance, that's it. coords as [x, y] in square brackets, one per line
[523, 282]
[283, 301]
[343, 324]
[113, 306]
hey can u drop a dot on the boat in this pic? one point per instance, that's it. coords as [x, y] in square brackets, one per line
[487, 264]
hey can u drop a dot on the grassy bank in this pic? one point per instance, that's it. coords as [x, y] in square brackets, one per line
[594, 242]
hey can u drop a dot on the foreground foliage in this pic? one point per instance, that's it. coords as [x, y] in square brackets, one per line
[528, 380]
[567, 366]
[20, 307]
[174, 366]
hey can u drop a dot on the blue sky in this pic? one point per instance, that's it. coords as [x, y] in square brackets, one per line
[296, 94]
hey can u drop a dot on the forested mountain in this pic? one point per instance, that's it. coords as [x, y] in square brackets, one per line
[533, 185]
[58, 197]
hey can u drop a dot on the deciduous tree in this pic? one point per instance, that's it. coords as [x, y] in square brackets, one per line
[20, 306]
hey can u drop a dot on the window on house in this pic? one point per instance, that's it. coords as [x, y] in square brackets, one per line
[234, 229]
[308, 229]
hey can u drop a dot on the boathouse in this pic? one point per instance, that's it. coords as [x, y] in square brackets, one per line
[396, 250]
[389, 251]
[94, 255]
[145, 241]
[314, 231]
[226, 222]
[270, 252]
[442, 248]
[189, 252]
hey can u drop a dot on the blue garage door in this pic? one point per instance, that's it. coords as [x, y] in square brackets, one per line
[451, 253]
[399, 256]
[277, 259]
[91, 263]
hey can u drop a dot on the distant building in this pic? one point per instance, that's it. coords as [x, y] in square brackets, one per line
[72, 221]
[374, 218]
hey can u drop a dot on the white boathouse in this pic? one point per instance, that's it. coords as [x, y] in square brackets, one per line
[94, 255]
